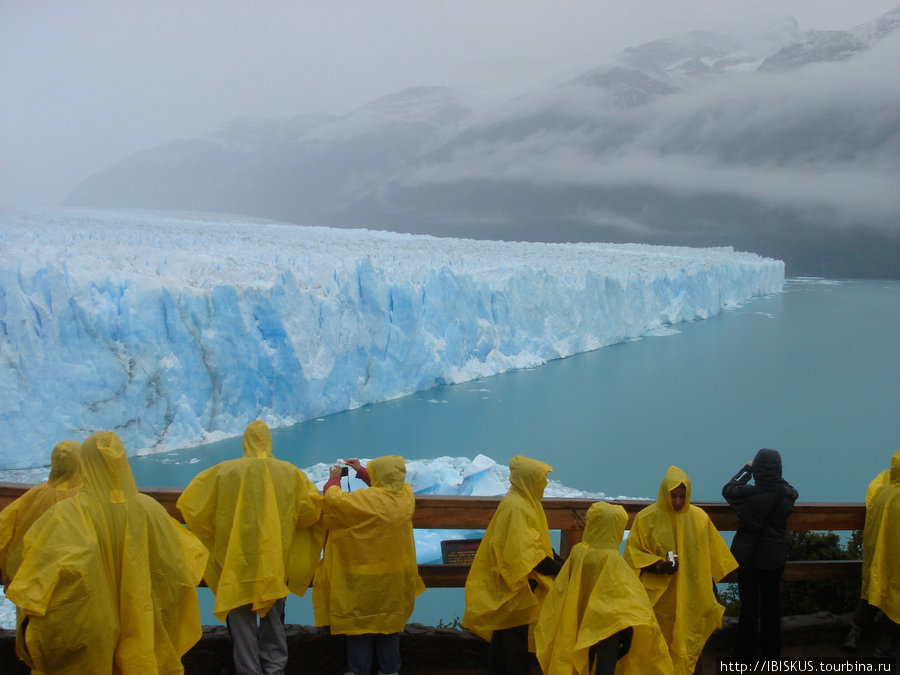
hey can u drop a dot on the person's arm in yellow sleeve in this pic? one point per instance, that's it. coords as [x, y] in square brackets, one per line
[310, 504]
[197, 504]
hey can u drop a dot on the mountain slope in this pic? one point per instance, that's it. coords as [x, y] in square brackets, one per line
[791, 150]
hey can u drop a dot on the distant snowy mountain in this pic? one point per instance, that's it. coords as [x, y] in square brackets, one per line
[818, 46]
[788, 145]
[302, 168]
[668, 66]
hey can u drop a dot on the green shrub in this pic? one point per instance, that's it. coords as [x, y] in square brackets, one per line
[808, 597]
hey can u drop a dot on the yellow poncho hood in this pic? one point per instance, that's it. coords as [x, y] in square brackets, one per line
[259, 518]
[65, 466]
[15, 520]
[595, 596]
[498, 595]
[684, 602]
[881, 546]
[876, 484]
[368, 579]
[64, 481]
[108, 577]
[388, 473]
[882, 479]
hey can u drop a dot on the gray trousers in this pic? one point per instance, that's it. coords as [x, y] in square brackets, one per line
[258, 648]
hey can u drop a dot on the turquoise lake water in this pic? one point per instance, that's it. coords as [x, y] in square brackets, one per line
[813, 372]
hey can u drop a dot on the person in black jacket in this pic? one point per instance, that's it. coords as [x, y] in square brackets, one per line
[760, 547]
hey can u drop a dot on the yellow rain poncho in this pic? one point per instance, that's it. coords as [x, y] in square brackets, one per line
[15, 520]
[368, 579]
[595, 596]
[259, 518]
[108, 579]
[684, 602]
[881, 546]
[498, 595]
[876, 484]
[63, 482]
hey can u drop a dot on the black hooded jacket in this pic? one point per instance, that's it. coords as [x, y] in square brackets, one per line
[762, 509]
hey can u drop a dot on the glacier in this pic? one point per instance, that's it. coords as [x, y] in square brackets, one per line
[179, 329]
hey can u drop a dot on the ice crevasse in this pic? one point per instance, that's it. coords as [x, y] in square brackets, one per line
[178, 329]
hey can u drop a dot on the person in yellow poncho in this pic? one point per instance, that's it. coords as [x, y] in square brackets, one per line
[597, 614]
[259, 518]
[881, 553]
[63, 482]
[682, 592]
[368, 580]
[512, 571]
[865, 614]
[882, 479]
[108, 578]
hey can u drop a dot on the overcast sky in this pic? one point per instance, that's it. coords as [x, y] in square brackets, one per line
[84, 84]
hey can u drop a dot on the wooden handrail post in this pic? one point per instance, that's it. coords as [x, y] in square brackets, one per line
[567, 539]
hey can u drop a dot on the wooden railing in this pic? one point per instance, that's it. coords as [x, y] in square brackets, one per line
[567, 516]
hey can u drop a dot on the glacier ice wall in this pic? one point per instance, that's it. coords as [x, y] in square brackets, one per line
[175, 330]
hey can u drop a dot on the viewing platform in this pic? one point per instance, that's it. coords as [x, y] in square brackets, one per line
[449, 650]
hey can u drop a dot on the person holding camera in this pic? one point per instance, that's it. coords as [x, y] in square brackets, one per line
[680, 555]
[760, 547]
[368, 579]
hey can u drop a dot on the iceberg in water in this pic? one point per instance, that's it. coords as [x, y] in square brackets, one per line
[177, 330]
[478, 477]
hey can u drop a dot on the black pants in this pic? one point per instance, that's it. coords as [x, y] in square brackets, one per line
[864, 614]
[759, 624]
[604, 655]
[509, 652]
[383, 649]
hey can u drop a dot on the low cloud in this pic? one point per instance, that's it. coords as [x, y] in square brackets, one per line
[825, 137]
